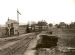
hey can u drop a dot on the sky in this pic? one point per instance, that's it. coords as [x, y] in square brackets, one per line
[53, 11]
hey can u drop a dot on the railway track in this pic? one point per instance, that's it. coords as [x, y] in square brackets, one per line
[20, 47]
[20, 50]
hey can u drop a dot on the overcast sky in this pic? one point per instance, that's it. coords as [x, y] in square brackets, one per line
[53, 11]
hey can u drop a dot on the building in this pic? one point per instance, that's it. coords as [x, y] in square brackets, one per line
[36, 27]
[12, 27]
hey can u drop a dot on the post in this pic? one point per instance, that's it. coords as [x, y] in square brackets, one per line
[17, 16]
[18, 19]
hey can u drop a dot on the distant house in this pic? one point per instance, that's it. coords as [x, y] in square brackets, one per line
[40, 28]
[12, 26]
[43, 25]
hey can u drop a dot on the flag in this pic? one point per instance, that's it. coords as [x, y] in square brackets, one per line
[18, 12]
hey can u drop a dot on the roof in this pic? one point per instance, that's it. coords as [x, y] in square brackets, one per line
[12, 21]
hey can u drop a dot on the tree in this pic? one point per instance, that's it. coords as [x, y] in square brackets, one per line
[57, 26]
[62, 25]
[50, 25]
[72, 25]
[42, 23]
